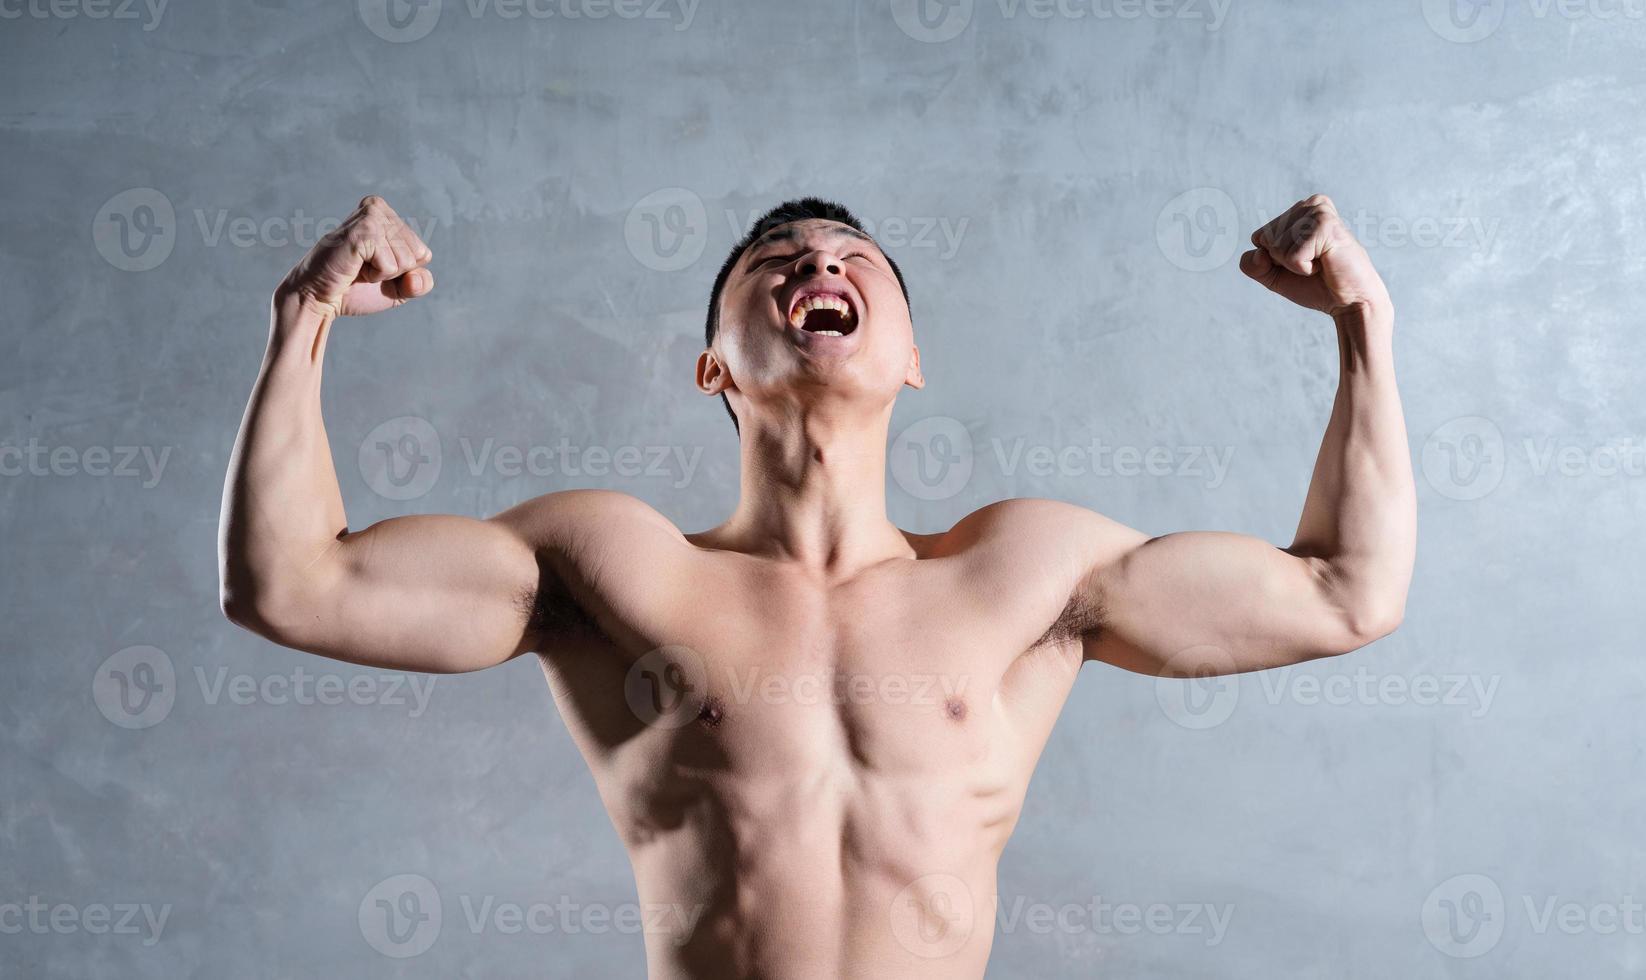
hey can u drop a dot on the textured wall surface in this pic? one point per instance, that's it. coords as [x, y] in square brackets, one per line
[1066, 185]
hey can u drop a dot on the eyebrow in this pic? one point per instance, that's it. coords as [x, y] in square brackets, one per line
[789, 233]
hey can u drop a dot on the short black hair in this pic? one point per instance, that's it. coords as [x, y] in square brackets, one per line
[799, 209]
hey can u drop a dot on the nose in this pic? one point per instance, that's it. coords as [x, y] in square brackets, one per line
[819, 262]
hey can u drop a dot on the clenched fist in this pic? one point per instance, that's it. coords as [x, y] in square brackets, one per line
[1309, 256]
[371, 262]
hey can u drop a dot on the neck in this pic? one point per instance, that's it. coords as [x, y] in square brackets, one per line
[813, 489]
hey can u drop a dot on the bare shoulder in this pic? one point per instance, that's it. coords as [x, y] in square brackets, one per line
[1033, 529]
[594, 550]
[575, 519]
[1039, 554]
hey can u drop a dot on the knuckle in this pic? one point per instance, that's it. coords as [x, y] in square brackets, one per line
[371, 202]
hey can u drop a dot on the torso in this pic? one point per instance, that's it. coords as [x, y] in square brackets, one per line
[813, 778]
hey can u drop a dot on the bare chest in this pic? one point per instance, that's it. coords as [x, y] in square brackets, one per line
[900, 678]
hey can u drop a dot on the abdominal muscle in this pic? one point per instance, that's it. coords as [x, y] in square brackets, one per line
[795, 836]
[832, 869]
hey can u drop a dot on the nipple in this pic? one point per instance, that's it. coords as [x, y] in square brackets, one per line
[711, 713]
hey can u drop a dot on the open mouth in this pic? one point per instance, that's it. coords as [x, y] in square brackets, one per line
[827, 314]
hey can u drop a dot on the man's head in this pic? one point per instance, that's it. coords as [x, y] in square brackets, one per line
[806, 307]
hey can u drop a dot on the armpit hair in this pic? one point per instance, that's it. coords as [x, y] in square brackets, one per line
[1082, 616]
[552, 612]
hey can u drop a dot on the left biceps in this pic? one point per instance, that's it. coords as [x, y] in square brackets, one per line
[1204, 603]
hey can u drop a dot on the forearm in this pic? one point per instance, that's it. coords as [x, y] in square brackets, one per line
[282, 509]
[1187, 604]
[1359, 519]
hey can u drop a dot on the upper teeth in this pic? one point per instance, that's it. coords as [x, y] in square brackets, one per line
[821, 301]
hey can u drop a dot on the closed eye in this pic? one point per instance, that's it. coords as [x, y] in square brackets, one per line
[780, 258]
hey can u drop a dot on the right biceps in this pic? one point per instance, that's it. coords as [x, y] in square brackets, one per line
[437, 593]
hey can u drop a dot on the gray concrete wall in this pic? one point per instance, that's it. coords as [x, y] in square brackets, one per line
[1066, 186]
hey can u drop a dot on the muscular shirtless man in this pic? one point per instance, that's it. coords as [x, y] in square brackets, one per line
[809, 726]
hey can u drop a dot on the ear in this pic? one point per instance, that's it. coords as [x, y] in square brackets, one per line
[712, 376]
[913, 378]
